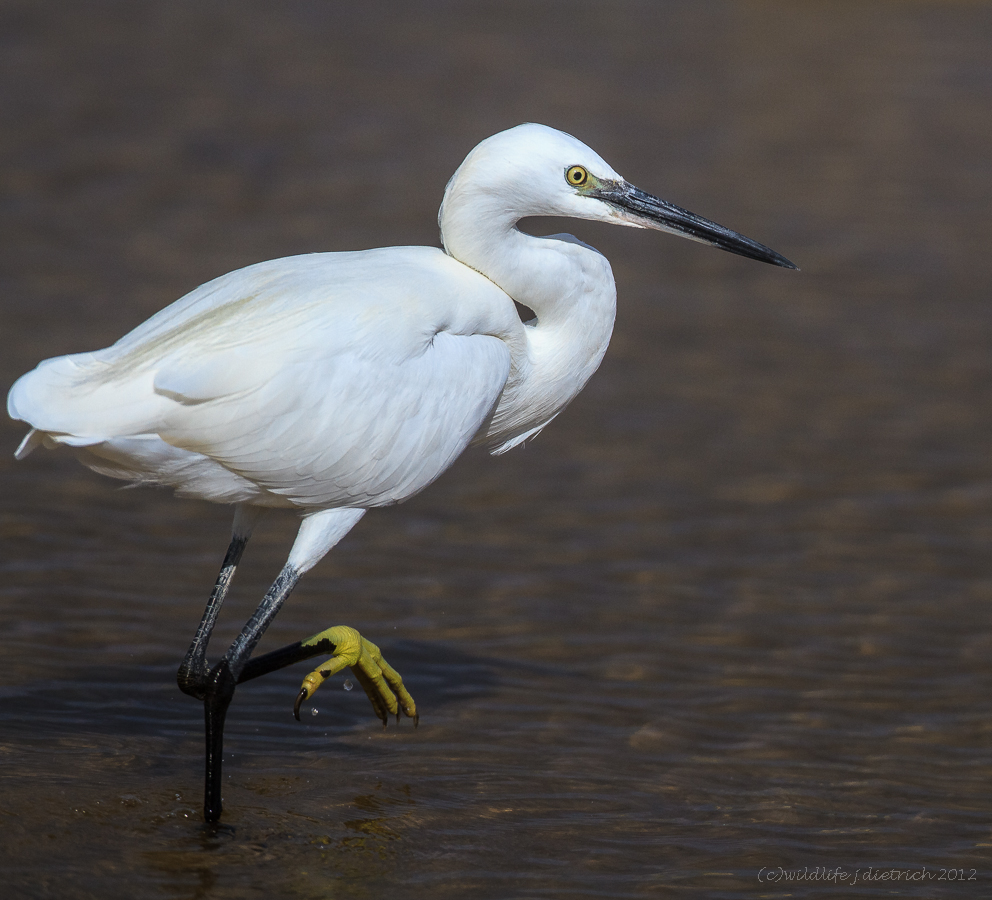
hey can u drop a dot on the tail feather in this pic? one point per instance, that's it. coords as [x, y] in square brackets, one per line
[31, 440]
[70, 399]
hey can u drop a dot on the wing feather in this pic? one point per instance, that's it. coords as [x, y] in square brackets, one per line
[349, 430]
[349, 379]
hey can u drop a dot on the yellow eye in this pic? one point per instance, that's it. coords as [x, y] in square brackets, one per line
[576, 176]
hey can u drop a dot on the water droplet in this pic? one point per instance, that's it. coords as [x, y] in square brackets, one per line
[348, 685]
[313, 711]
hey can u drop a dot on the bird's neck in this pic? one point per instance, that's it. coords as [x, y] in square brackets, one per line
[570, 288]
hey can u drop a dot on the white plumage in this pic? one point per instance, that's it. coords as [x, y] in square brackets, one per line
[335, 382]
[299, 382]
[350, 379]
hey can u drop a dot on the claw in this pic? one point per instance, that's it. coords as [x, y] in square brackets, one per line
[300, 697]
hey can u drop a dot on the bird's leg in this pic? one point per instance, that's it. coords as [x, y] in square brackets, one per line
[382, 683]
[318, 533]
[224, 677]
[193, 672]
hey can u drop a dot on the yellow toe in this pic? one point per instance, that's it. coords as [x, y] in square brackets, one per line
[382, 683]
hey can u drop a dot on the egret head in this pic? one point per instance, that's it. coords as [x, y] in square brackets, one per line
[534, 170]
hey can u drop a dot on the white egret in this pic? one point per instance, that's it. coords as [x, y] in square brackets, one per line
[332, 383]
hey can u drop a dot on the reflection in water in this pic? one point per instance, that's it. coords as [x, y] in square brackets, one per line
[730, 611]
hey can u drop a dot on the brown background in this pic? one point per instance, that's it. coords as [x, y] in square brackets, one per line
[730, 611]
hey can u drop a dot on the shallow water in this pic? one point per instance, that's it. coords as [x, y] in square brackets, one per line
[730, 613]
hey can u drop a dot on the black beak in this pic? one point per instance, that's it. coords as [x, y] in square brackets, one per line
[635, 207]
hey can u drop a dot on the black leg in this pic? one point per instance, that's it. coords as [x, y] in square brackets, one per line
[223, 679]
[193, 672]
[217, 698]
[287, 656]
[283, 657]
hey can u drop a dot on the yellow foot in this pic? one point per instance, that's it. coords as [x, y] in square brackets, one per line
[381, 681]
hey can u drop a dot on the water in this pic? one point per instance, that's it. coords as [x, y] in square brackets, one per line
[729, 613]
